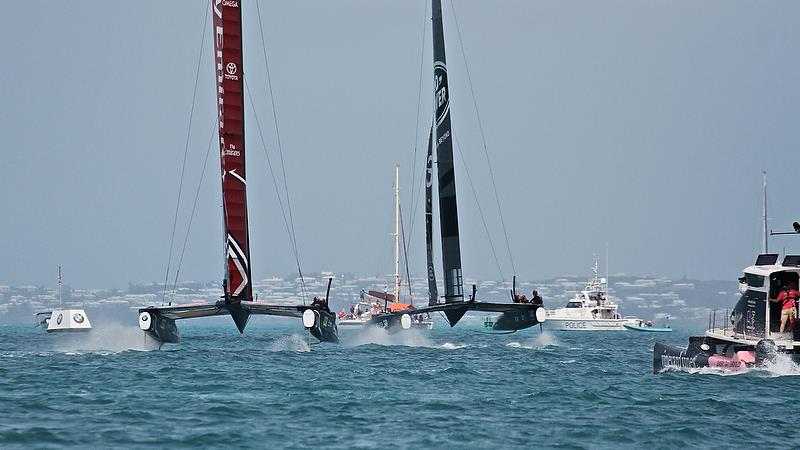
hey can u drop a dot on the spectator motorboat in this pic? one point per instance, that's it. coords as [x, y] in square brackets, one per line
[750, 335]
[590, 310]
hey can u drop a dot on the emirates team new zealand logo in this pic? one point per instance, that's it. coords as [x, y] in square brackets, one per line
[442, 96]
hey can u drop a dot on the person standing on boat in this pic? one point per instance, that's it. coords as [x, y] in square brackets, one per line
[787, 298]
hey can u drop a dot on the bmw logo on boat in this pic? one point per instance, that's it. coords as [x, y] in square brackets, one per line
[60, 318]
[78, 318]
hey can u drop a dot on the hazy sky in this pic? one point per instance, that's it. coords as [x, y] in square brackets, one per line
[641, 124]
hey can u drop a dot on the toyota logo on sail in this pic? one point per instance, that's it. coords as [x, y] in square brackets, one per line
[230, 71]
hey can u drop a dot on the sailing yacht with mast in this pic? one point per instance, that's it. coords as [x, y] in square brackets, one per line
[515, 316]
[361, 313]
[158, 322]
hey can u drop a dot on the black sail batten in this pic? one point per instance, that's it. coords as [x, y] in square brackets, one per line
[448, 211]
[433, 291]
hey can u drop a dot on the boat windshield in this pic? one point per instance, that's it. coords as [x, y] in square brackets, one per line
[754, 280]
[574, 305]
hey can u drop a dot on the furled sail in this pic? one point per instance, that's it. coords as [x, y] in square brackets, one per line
[230, 106]
[433, 293]
[448, 212]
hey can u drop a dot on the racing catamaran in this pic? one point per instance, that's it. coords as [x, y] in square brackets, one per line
[515, 316]
[158, 322]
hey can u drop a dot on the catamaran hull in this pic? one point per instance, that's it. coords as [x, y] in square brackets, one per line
[164, 329]
[161, 329]
[392, 323]
[517, 320]
[325, 328]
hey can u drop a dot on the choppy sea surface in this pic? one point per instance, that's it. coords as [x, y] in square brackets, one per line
[447, 388]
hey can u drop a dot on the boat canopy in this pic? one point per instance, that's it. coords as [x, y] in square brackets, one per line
[396, 307]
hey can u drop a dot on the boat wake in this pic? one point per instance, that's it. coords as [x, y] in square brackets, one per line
[542, 340]
[451, 346]
[290, 343]
[783, 365]
[379, 336]
[106, 337]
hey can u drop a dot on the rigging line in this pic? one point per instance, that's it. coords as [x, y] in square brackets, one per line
[480, 210]
[416, 202]
[483, 138]
[185, 155]
[194, 208]
[419, 107]
[274, 181]
[405, 259]
[293, 236]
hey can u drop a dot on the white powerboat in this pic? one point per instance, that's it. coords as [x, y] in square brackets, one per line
[60, 320]
[590, 310]
[753, 332]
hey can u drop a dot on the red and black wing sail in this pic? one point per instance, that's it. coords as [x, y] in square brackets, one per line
[230, 106]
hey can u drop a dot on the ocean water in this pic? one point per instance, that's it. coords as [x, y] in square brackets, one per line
[447, 388]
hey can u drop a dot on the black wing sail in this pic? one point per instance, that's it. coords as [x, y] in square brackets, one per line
[448, 211]
[433, 292]
[514, 316]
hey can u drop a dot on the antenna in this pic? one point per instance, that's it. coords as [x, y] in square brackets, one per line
[606, 268]
[795, 225]
[764, 215]
[397, 233]
[59, 286]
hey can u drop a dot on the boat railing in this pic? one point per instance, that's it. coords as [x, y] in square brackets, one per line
[718, 323]
[721, 324]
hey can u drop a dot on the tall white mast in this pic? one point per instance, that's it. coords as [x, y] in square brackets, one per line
[607, 268]
[764, 215]
[397, 233]
[59, 286]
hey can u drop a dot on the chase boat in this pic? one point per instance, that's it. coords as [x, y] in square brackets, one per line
[590, 310]
[63, 319]
[749, 336]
